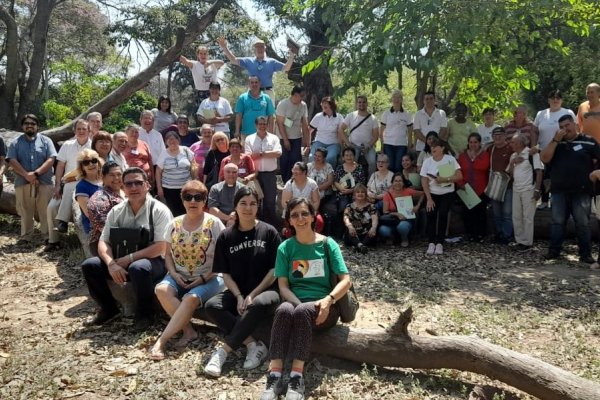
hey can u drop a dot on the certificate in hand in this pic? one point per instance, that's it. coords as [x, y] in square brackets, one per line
[405, 206]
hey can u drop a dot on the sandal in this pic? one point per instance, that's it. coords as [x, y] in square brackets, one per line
[157, 354]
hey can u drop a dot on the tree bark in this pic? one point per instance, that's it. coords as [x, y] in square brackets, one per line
[8, 87]
[396, 348]
[184, 38]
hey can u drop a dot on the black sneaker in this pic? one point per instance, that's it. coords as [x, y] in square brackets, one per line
[586, 259]
[102, 317]
[50, 247]
[523, 247]
[295, 389]
[273, 389]
[552, 255]
[62, 227]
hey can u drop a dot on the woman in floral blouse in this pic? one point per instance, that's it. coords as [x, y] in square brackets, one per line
[103, 201]
[360, 219]
[190, 281]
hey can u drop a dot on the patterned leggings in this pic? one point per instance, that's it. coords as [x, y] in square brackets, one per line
[293, 328]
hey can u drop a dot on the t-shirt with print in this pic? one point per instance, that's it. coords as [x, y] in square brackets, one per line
[361, 218]
[176, 170]
[247, 255]
[396, 127]
[432, 168]
[379, 185]
[319, 175]
[202, 75]
[306, 268]
[193, 252]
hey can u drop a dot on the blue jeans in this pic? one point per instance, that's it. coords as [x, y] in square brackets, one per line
[289, 158]
[389, 232]
[370, 156]
[202, 292]
[578, 205]
[333, 152]
[502, 211]
[394, 155]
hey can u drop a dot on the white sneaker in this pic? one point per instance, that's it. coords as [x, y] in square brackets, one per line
[439, 249]
[256, 355]
[431, 249]
[215, 364]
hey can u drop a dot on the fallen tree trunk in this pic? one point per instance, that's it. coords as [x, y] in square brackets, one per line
[395, 347]
[185, 37]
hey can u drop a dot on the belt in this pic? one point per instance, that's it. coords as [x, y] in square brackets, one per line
[267, 172]
[266, 88]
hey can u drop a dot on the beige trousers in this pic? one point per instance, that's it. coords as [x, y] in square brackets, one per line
[32, 204]
[523, 213]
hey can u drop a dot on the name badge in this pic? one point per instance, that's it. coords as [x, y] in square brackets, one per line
[288, 123]
[577, 148]
[135, 152]
[241, 171]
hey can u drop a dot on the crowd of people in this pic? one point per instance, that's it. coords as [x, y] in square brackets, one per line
[190, 216]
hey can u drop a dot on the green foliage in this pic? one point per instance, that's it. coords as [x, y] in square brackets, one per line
[56, 114]
[128, 111]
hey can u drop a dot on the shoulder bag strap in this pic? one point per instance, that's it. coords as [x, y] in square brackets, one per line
[359, 124]
[151, 220]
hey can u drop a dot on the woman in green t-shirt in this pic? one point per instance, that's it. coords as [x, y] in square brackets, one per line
[303, 268]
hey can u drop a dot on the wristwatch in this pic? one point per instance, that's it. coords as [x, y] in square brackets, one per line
[332, 299]
[37, 174]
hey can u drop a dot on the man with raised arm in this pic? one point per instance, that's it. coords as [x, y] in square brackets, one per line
[204, 71]
[260, 65]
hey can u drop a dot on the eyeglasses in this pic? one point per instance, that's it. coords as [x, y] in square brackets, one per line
[131, 184]
[296, 215]
[85, 163]
[196, 197]
[29, 123]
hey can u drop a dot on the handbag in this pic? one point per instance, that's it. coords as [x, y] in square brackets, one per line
[389, 220]
[497, 185]
[124, 241]
[348, 304]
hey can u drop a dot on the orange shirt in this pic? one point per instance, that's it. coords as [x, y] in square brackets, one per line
[588, 120]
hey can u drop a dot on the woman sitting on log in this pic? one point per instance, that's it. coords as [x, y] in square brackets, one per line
[103, 201]
[360, 219]
[245, 255]
[304, 266]
[189, 260]
[89, 167]
[102, 144]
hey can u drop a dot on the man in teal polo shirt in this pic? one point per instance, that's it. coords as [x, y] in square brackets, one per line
[251, 105]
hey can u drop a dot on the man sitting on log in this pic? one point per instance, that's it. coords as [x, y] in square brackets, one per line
[220, 198]
[145, 266]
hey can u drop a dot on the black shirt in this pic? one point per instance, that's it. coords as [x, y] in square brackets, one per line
[247, 256]
[572, 163]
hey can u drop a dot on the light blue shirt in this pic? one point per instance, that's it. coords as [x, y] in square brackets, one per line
[251, 108]
[263, 69]
[31, 155]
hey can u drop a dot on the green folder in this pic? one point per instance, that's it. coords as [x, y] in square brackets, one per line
[468, 196]
[446, 171]
[405, 206]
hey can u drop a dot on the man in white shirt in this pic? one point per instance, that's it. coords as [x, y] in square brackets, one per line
[94, 120]
[59, 210]
[265, 149]
[292, 122]
[215, 110]
[204, 72]
[429, 119]
[526, 190]
[485, 129]
[119, 148]
[363, 132]
[152, 137]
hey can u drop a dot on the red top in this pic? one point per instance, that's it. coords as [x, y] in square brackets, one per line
[245, 167]
[389, 198]
[140, 157]
[477, 172]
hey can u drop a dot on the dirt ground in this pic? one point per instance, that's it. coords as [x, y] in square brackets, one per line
[547, 310]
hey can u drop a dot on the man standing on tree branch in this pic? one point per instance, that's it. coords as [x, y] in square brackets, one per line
[261, 66]
[204, 72]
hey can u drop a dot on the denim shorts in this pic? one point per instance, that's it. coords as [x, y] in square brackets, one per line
[203, 292]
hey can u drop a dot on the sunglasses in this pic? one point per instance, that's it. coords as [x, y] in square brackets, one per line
[219, 140]
[85, 163]
[196, 197]
[296, 215]
[131, 184]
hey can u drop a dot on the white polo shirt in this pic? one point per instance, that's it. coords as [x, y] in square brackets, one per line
[254, 144]
[427, 123]
[396, 127]
[69, 151]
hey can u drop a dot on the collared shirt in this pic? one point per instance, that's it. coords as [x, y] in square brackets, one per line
[69, 151]
[119, 159]
[221, 106]
[31, 154]
[203, 76]
[293, 114]
[122, 216]
[572, 163]
[221, 196]
[427, 123]
[155, 142]
[252, 107]
[523, 178]
[263, 69]
[327, 127]
[254, 144]
[396, 127]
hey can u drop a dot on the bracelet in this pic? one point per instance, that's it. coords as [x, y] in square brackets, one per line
[131, 258]
[332, 298]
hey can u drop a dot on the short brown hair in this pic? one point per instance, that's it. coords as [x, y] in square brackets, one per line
[195, 186]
